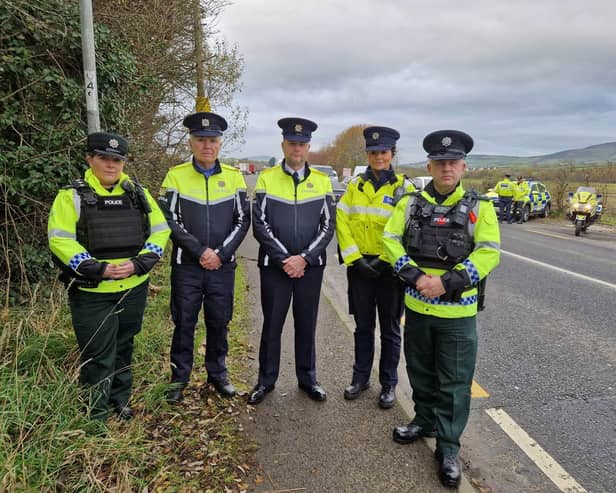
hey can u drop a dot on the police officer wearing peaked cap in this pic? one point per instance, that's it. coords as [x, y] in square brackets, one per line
[205, 124]
[442, 242]
[373, 288]
[293, 221]
[206, 205]
[106, 232]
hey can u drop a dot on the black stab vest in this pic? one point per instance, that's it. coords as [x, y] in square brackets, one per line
[111, 227]
[437, 236]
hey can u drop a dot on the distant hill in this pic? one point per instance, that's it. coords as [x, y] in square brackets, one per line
[595, 154]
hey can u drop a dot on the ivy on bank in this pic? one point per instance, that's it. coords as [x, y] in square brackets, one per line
[43, 122]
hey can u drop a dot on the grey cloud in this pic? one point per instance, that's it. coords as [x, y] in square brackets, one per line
[524, 78]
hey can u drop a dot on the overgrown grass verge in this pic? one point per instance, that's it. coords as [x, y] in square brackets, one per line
[46, 442]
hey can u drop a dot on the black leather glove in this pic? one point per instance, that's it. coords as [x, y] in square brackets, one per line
[409, 275]
[454, 282]
[378, 265]
[364, 269]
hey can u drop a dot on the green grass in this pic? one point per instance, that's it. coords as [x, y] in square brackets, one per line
[47, 444]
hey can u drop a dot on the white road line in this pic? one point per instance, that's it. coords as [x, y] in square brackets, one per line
[558, 269]
[540, 457]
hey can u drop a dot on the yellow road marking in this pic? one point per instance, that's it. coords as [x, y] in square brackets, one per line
[478, 392]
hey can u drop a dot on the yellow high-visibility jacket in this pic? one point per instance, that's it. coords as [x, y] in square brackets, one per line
[485, 256]
[62, 234]
[505, 188]
[362, 213]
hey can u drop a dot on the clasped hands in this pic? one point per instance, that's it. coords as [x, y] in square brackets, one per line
[210, 260]
[294, 266]
[119, 271]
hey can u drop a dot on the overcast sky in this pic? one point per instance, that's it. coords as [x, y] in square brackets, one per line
[522, 77]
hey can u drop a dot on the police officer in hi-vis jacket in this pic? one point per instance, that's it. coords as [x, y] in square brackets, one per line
[106, 232]
[373, 287]
[442, 242]
[209, 214]
[294, 218]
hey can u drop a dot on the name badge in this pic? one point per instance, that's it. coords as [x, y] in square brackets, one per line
[388, 200]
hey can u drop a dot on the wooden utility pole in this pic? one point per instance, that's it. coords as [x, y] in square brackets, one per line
[202, 103]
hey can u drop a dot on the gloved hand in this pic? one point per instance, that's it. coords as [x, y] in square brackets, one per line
[378, 265]
[409, 275]
[454, 282]
[364, 269]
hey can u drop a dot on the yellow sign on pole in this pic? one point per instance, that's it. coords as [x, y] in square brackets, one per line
[202, 104]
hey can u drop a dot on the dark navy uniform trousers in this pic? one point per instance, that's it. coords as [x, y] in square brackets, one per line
[366, 297]
[277, 291]
[192, 288]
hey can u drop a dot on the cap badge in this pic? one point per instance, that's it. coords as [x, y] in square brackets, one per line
[298, 128]
[375, 136]
[205, 122]
[114, 143]
[446, 141]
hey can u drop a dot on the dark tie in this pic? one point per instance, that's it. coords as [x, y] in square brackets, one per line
[295, 177]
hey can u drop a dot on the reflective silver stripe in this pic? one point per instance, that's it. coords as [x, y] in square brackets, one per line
[77, 203]
[266, 261]
[159, 227]
[238, 204]
[178, 257]
[222, 200]
[292, 201]
[487, 244]
[343, 207]
[324, 209]
[348, 251]
[393, 236]
[375, 211]
[205, 201]
[269, 230]
[60, 233]
[174, 201]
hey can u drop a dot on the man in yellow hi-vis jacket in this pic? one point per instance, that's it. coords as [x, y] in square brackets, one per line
[442, 242]
[106, 232]
[293, 221]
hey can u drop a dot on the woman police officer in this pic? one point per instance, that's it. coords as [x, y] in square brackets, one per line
[106, 232]
[360, 218]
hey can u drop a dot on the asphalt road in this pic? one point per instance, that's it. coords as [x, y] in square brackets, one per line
[548, 355]
[547, 358]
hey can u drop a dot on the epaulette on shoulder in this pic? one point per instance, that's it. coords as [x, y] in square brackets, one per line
[267, 169]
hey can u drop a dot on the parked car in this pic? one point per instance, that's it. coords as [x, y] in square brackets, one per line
[420, 182]
[338, 189]
[328, 170]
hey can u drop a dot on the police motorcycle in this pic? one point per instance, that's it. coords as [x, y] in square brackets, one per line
[584, 208]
